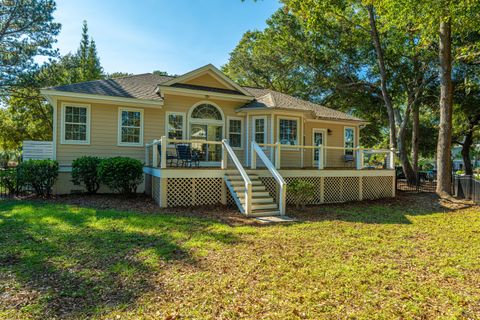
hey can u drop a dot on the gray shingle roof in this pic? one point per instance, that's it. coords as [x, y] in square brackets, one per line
[266, 98]
[143, 86]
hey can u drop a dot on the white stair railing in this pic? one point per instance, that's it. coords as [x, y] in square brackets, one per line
[228, 151]
[282, 196]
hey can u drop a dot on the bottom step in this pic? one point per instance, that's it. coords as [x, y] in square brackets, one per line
[275, 219]
[264, 213]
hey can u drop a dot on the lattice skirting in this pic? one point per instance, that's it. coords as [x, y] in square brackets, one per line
[156, 189]
[338, 189]
[186, 192]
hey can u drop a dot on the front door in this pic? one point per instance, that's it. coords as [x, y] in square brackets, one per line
[319, 138]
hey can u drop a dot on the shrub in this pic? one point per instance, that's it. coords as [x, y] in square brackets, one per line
[39, 174]
[9, 181]
[85, 171]
[121, 174]
[302, 192]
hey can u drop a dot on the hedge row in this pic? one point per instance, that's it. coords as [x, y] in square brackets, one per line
[120, 174]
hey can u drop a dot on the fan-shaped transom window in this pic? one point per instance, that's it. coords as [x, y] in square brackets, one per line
[206, 111]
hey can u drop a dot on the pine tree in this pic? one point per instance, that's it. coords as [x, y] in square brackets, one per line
[94, 68]
[88, 60]
[82, 52]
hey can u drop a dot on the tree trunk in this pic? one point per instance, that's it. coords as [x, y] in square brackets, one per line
[402, 145]
[383, 75]
[415, 137]
[444, 161]
[467, 160]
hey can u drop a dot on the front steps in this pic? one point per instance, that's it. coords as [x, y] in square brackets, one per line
[263, 204]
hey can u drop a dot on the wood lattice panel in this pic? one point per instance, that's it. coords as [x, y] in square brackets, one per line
[333, 187]
[156, 189]
[271, 186]
[186, 192]
[148, 185]
[377, 187]
[350, 189]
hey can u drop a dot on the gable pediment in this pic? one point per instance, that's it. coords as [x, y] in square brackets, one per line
[207, 77]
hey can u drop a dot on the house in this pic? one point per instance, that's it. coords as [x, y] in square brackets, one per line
[205, 139]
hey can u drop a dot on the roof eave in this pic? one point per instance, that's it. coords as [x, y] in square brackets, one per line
[162, 89]
[49, 93]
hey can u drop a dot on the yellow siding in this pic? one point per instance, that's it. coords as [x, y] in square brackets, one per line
[207, 80]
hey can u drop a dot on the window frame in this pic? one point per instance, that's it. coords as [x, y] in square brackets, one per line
[344, 141]
[184, 124]
[119, 128]
[254, 132]
[241, 131]
[63, 123]
[298, 131]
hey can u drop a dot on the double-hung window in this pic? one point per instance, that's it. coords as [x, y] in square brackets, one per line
[288, 131]
[349, 140]
[130, 127]
[176, 125]
[75, 124]
[235, 129]
[260, 129]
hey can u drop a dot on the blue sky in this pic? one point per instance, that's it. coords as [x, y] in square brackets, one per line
[170, 35]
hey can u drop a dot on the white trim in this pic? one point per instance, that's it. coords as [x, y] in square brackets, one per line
[88, 124]
[104, 98]
[202, 93]
[54, 129]
[242, 136]
[206, 121]
[184, 124]
[265, 135]
[220, 76]
[247, 140]
[119, 128]
[324, 143]
[344, 122]
[279, 118]
[354, 138]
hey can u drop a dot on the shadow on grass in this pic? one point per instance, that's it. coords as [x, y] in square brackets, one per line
[385, 211]
[82, 261]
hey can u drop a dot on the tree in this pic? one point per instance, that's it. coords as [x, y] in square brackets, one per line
[88, 61]
[442, 21]
[27, 30]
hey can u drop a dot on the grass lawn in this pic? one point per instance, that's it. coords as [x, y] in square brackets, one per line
[397, 259]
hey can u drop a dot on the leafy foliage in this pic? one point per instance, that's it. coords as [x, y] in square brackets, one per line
[26, 30]
[85, 171]
[39, 174]
[121, 174]
[9, 180]
[302, 191]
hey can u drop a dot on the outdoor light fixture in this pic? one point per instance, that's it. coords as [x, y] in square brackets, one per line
[329, 131]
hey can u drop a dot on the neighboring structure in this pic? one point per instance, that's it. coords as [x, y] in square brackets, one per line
[228, 127]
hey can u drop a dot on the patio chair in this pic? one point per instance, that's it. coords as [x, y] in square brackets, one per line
[186, 156]
[348, 158]
[170, 157]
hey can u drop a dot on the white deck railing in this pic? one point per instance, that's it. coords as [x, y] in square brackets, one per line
[328, 156]
[282, 190]
[227, 151]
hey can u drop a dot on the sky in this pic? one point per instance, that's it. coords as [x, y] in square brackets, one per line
[176, 36]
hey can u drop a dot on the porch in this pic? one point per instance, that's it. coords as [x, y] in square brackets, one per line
[257, 184]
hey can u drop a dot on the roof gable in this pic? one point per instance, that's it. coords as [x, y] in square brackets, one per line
[207, 76]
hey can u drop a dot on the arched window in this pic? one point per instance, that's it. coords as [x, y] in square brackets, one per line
[206, 111]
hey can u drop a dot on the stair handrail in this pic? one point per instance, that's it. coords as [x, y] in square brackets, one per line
[256, 149]
[248, 183]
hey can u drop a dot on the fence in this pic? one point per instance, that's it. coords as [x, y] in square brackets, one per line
[424, 182]
[37, 150]
[467, 187]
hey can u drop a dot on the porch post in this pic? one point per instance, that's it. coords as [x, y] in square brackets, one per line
[253, 158]
[320, 157]
[391, 162]
[278, 153]
[155, 153]
[359, 158]
[224, 155]
[163, 156]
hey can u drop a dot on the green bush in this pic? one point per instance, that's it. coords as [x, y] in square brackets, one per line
[460, 172]
[39, 174]
[121, 174]
[9, 180]
[85, 171]
[302, 192]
